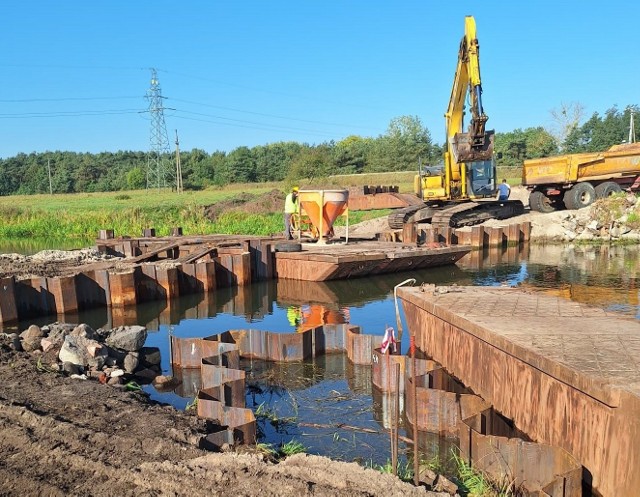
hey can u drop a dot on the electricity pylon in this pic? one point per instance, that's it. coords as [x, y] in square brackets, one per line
[159, 168]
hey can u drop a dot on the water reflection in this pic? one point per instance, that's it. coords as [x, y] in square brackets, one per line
[30, 246]
[324, 393]
[602, 276]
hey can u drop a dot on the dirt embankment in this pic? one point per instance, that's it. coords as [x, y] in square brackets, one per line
[61, 436]
[272, 201]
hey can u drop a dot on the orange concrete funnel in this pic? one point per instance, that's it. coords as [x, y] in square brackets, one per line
[323, 207]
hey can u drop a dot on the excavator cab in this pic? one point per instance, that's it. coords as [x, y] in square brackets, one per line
[481, 181]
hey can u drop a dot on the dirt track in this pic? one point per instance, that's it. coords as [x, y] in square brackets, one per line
[62, 436]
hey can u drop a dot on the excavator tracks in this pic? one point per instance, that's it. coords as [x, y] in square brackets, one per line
[399, 217]
[456, 215]
[470, 213]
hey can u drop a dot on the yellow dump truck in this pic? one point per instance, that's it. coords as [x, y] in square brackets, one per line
[576, 180]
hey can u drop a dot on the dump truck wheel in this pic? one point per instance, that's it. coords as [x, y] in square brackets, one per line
[606, 189]
[539, 202]
[287, 247]
[580, 195]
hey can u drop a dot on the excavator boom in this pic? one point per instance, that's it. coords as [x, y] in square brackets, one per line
[476, 144]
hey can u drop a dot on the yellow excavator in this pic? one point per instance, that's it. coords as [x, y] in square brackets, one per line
[452, 191]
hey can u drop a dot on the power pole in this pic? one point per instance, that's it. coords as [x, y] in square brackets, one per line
[178, 166]
[632, 128]
[159, 171]
[49, 172]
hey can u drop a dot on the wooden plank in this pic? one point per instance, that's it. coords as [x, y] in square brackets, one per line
[191, 258]
[153, 253]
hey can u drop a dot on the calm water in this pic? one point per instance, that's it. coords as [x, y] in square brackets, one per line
[31, 246]
[308, 402]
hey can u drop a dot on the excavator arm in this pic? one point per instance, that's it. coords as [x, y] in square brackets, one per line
[476, 144]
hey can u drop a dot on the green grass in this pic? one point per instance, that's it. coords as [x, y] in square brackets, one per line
[474, 483]
[192, 405]
[266, 413]
[132, 199]
[291, 447]
[404, 469]
[82, 216]
[471, 482]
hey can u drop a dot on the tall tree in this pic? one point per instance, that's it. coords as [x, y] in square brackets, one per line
[600, 132]
[312, 163]
[350, 155]
[405, 142]
[519, 145]
[566, 118]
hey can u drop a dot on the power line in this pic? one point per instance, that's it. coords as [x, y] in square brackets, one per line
[258, 127]
[269, 126]
[30, 115]
[267, 115]
[64, 99]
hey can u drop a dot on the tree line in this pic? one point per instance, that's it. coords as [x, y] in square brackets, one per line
[405, 143]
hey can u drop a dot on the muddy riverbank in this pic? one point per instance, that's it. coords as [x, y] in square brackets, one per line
[64, 436]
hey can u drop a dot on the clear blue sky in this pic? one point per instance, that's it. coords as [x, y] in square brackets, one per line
[240, 72]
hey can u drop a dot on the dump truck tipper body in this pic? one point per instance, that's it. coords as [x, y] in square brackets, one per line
[576, 180]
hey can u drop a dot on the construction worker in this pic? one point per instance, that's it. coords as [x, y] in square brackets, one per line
[294, 315]
[504, 190]
[290, 208]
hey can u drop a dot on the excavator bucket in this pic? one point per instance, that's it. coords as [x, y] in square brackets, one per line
[469, 148]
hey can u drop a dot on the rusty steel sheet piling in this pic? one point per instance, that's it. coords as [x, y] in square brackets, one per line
[562, 371]
[432, 401]
[166, 268]
[382, 362]
[360, 347]
[439, 411]
[8, 307]
[535, 468]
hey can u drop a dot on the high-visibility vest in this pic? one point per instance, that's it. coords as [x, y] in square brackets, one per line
[290, 205]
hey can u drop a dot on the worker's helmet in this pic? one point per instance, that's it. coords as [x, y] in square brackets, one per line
[295, 189]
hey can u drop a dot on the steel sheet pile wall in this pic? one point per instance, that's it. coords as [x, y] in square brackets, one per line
[538, 469]
[441, 409]
[478, 237]
[221, 398]
[486, 338]
[42, 296]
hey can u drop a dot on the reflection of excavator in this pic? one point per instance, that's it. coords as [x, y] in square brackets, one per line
[450, 190]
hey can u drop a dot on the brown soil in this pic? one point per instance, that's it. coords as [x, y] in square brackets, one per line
[63, 436]
[52, 263]
[272, 201]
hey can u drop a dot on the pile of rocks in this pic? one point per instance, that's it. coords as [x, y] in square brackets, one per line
[116, 357]
[612, 219]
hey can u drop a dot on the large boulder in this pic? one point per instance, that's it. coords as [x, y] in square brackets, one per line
[31, 338]
[129, 338]
[83, 352]
[85, 331]
[131, 362]
[150, 356]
